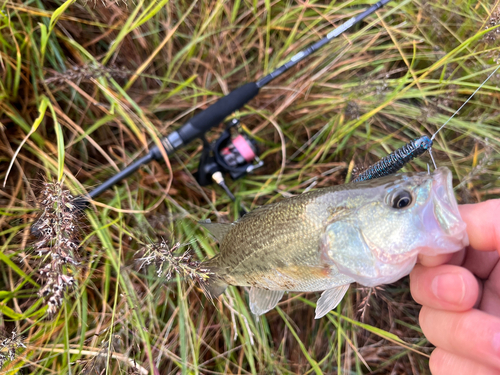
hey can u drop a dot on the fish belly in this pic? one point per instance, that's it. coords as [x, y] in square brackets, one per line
[296, 278]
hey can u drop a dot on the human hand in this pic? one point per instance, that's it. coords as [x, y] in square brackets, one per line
[461, 299]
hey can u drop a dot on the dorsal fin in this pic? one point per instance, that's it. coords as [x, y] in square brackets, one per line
[217, 230]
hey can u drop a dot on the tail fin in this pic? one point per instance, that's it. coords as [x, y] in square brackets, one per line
[214, 286]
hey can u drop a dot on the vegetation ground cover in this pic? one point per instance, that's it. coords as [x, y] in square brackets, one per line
[88, 86]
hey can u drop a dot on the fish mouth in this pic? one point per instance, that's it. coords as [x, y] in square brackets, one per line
[441, 219]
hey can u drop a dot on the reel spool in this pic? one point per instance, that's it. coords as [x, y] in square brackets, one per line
[234, 153]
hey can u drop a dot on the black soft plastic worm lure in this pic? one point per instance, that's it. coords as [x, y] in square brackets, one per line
[396, 160]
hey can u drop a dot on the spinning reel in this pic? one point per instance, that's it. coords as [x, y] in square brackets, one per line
[234, 153]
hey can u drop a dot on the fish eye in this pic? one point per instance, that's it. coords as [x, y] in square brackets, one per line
[401, 199]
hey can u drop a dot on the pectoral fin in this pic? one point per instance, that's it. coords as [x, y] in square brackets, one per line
[262, 300]
[329, 300]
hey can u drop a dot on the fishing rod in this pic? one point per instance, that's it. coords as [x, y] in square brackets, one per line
[229, 154]
[413, 149]
[233, 155]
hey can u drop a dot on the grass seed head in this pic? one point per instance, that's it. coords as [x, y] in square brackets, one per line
[85, 73]
[107, 3]
[10, 344]
[167, 263]
[98, 363]
[58, 243]
[493, 35]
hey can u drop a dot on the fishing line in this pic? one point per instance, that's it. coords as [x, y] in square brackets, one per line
[413, 149]
[470, 97]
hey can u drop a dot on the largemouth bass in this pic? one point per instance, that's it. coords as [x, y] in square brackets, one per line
[368, 232]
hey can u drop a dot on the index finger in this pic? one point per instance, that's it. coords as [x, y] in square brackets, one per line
[483, 224]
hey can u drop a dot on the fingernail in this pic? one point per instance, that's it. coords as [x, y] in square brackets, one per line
[449, 287]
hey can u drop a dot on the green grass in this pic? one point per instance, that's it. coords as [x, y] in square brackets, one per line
[398, 75]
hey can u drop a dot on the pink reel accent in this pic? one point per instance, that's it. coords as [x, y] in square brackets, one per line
[243, 148]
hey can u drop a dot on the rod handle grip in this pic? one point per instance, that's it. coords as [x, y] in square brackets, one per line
[217, 112]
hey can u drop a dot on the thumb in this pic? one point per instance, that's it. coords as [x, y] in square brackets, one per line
[483, 224]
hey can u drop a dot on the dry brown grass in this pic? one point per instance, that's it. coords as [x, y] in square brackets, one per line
[366, 93]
